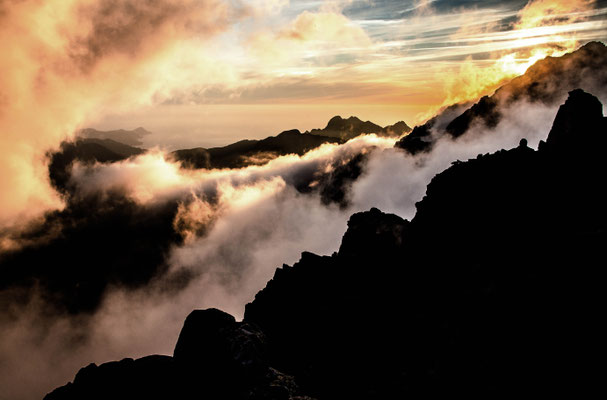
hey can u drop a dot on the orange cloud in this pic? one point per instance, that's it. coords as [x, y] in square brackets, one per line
[311, 35]
[548, 13]
[544, 28]
[63, 61]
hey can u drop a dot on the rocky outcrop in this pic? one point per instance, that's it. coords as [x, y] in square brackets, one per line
[348, 128]
[215, 358]
[494, 289]
[546, 82]
[578, 124]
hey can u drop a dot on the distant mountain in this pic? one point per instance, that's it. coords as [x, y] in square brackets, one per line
[547, 81]
[251, 152]
[493, 289]
[235, 155]
[346, 129]
[258, 152]
[131, 138]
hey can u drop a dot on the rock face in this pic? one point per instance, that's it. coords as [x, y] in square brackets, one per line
[575, 126]
[493, 289]
[348, 128]
[546, 82]
[215, 358]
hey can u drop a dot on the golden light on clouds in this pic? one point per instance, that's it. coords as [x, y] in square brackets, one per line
[543, 29]
[68, 64]
[65, 61]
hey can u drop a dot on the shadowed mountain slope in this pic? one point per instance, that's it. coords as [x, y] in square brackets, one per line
[547, 82]
[493, 289]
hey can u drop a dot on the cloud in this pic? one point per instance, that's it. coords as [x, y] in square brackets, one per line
[398, 193]
[64, 61]
[236, 227]
[318, 37]
[550, 13]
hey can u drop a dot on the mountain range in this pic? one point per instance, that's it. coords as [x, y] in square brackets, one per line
[109, 146]
[492, 289]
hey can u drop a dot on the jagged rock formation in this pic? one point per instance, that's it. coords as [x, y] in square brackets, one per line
[346, 129]
[215, 358]
[493, 289]
[548, 81]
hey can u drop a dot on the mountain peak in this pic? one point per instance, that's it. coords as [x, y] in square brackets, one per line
[578, 121]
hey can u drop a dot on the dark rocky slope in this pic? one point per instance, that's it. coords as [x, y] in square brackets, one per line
[547, 82]
[493, 289]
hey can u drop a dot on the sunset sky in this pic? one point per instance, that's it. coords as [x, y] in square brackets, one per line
[284, 64]
[210, 72]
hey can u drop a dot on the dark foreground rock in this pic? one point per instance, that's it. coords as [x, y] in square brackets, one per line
[494, 289]
[215, 358]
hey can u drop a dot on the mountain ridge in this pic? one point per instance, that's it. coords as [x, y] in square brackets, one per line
[510, 303]
[546, 82]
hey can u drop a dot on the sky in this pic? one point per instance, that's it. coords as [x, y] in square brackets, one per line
[210, 72]
[294, 64]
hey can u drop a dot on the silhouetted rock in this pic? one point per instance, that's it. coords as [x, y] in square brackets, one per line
[251, 152]
[546, 82]
[419, 140]
[145, 378]
[486, 110]
[346, 129]
[398, 129]
[579, 122]
[493, 289]
[215, 358]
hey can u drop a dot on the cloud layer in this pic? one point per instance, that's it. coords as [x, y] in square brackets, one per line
[63, 62]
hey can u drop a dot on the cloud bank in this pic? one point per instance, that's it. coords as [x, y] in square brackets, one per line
[64, 61]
